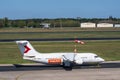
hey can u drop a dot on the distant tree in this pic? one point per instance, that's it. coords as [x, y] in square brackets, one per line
[21, 23]
[31, 23]
[14, 23]
[110, 18]
[1, 23]
[5, 22]
[70, 23]
[10, 23]
[37, 24]
[58, 22]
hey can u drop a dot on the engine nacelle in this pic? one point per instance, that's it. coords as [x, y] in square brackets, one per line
[78, 59]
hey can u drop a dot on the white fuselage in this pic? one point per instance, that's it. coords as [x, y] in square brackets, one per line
[57, 58]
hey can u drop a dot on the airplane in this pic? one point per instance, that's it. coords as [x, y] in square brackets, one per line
[67, 60]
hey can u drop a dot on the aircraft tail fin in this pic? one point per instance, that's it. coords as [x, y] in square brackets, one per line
[26, 48]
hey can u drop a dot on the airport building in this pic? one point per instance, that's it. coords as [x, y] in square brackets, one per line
[88, 25]
[104, 25]
[98, 25]
[116, 25]
[45, 25]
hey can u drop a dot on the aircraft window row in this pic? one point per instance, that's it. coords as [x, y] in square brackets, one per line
[38, 58]
[96, 56]
[84, 57]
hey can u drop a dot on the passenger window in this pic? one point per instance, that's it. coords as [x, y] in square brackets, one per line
[84, 57]
[96, 56]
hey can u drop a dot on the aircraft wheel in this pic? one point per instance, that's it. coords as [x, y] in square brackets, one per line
[68, 65]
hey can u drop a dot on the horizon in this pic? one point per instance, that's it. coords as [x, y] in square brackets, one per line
[59, 18]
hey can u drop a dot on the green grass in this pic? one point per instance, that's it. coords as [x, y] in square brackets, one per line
[82, 34]
[64, 29]
[109, 50]
[59, 33]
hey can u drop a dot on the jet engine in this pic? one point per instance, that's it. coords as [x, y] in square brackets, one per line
[78, 59]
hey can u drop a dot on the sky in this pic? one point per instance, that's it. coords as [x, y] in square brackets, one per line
[24, 9]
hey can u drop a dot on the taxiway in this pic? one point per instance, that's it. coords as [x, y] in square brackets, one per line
[108, 71]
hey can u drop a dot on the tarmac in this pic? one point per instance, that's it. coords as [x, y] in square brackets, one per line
[107, 71]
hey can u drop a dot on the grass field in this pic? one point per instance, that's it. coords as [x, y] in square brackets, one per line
[60, 35]
[64, 29]
[109, 50]
[74, 34]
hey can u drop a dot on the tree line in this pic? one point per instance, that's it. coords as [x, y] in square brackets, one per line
[58, 22]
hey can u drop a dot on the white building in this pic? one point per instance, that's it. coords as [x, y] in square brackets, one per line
[45, 25]
[104, 25]
[88, 25]
[117, 25]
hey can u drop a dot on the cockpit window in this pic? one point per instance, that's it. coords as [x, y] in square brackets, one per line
[96, 56]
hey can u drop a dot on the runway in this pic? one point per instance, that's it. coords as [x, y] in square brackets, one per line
[108, 71]
[58, 39]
